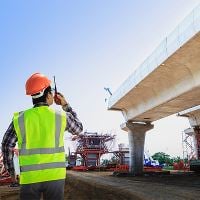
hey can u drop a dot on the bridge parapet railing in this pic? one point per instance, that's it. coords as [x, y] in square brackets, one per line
[178, 37]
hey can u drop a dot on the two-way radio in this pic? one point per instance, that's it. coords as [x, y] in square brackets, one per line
[56, 99]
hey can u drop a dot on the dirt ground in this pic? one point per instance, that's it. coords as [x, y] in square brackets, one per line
[104, 186]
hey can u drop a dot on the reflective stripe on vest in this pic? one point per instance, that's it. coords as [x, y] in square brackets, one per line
[42, 166]
[57, 149]
[38, 163]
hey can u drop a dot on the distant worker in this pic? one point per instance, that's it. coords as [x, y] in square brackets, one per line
[39, 132]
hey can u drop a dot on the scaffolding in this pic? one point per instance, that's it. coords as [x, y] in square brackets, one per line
[4, 175]
[188, 139]
[91, 146]
[122, 154]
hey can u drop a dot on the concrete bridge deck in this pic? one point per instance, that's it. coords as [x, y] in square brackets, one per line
[169, 79]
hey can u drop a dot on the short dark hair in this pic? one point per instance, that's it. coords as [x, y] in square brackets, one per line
[42, 99]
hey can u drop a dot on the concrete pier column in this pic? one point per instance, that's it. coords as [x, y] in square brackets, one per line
[136, 135]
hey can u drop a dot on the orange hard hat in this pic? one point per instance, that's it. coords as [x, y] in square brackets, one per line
[37, 83]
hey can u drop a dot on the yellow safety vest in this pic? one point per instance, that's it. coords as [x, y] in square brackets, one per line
[40, 133]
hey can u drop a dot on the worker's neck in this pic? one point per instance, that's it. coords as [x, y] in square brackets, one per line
[40, 104]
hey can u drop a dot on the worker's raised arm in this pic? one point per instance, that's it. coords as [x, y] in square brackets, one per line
[74, 125]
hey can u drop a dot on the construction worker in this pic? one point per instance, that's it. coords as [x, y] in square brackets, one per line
[39, 132]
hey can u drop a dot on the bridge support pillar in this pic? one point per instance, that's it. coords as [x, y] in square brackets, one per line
[136, 134]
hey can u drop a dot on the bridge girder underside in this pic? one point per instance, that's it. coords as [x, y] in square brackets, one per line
[172, 87]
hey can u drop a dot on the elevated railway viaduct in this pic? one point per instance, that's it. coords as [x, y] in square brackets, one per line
[167, 82]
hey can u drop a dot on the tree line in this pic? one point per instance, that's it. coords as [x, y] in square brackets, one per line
[164, 158]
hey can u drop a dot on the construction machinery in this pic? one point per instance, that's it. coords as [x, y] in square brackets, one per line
[90, 146]
[4, 175]
[122, 156]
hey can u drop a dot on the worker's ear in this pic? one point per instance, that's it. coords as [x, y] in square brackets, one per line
[49, 98]
[49, 95]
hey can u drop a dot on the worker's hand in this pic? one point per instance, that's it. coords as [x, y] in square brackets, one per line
[15, 182]
[75, 137]
[13, 178]
[60, 99]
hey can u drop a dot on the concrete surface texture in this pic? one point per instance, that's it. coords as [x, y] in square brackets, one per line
[193, 115]
[168, 81]
[136, 135]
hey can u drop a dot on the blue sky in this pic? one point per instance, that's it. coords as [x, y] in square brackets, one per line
[87, 45]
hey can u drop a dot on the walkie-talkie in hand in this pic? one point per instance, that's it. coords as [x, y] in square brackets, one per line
[56, 99]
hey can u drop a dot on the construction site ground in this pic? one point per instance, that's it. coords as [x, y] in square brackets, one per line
[105, 186]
